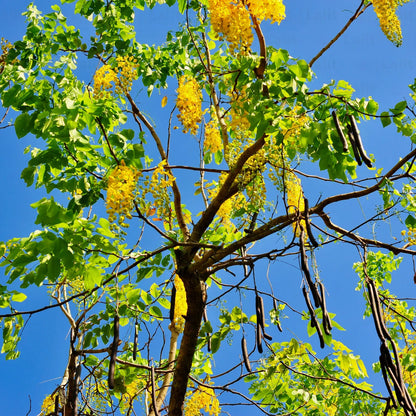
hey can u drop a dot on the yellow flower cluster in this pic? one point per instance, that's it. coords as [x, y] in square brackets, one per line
[295, 199]
[120, 78]
[273, 10]
[213, 141]
[120, 192]
[48, 405]
[231, 20]
[160, 181]
[202, 399]
[410, 236]
[189, 101]
[389, 22]
[133, 389]
[127, 73]
[181, 306]
[105, 78]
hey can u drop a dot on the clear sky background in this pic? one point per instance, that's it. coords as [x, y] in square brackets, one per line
[363, 57]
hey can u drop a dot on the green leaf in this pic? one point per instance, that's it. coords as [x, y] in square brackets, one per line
[92, 277]
[385, 118]
[182, 6]
[19, 297]
[23, 125]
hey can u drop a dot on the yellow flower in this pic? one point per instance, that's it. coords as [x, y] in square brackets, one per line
[273, 10]
[295, 199]
[389, 22]
[104, 80]
[212, 142]
[48, 405]
[231, 21]
[121, 78]
[202, 399]
[189, 101]
[181, 305]
[120, 192]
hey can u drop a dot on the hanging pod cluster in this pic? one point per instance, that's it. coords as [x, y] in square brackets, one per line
[391, 369]
[318, 293]
[354, 139]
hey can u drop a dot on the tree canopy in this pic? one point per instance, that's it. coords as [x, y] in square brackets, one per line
[161, 234]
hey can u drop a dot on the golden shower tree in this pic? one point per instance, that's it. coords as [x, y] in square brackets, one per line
[142, 268]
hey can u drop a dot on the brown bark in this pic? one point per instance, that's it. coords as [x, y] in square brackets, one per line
[196, 297]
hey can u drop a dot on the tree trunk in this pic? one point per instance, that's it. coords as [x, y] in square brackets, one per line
[196, 297]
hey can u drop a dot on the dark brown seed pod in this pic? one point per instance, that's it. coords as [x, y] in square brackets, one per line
[386, 380]
[172, 304]
[114, 346]
[354, 146]
[305, 269]
[245, 354]
[314, 322]
[376, 308]
[359, 142]
[374, 312]
[340, 132]
[326, 320]
[136, 340]
[259, 338]
[308, 225]
[209, 343]
[267, 336]
[261, 319]
[276, 308]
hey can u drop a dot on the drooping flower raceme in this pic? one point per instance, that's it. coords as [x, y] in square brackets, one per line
[120, 192]
[231, 21]
[181, 305]
[189, 101]
[389, 22]
[295, 199]
[213, 141]
[105, 78]
[202, 399]
[273, 10]
[120, 78]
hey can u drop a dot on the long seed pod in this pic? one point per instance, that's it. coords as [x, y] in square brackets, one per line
[359, 142]
[172, 304]
[340, 132]
[375, 313]
[377, 309]
[310, 308]
[314, 321]
[386, 380]
[136, 340]
[308, 224]
[354, 146]
[305, 269]
[112, 366]
[245, 354]
[259, 337]
[326, 320]
[261, 319]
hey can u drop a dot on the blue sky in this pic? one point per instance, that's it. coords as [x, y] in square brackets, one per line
[363, 57]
